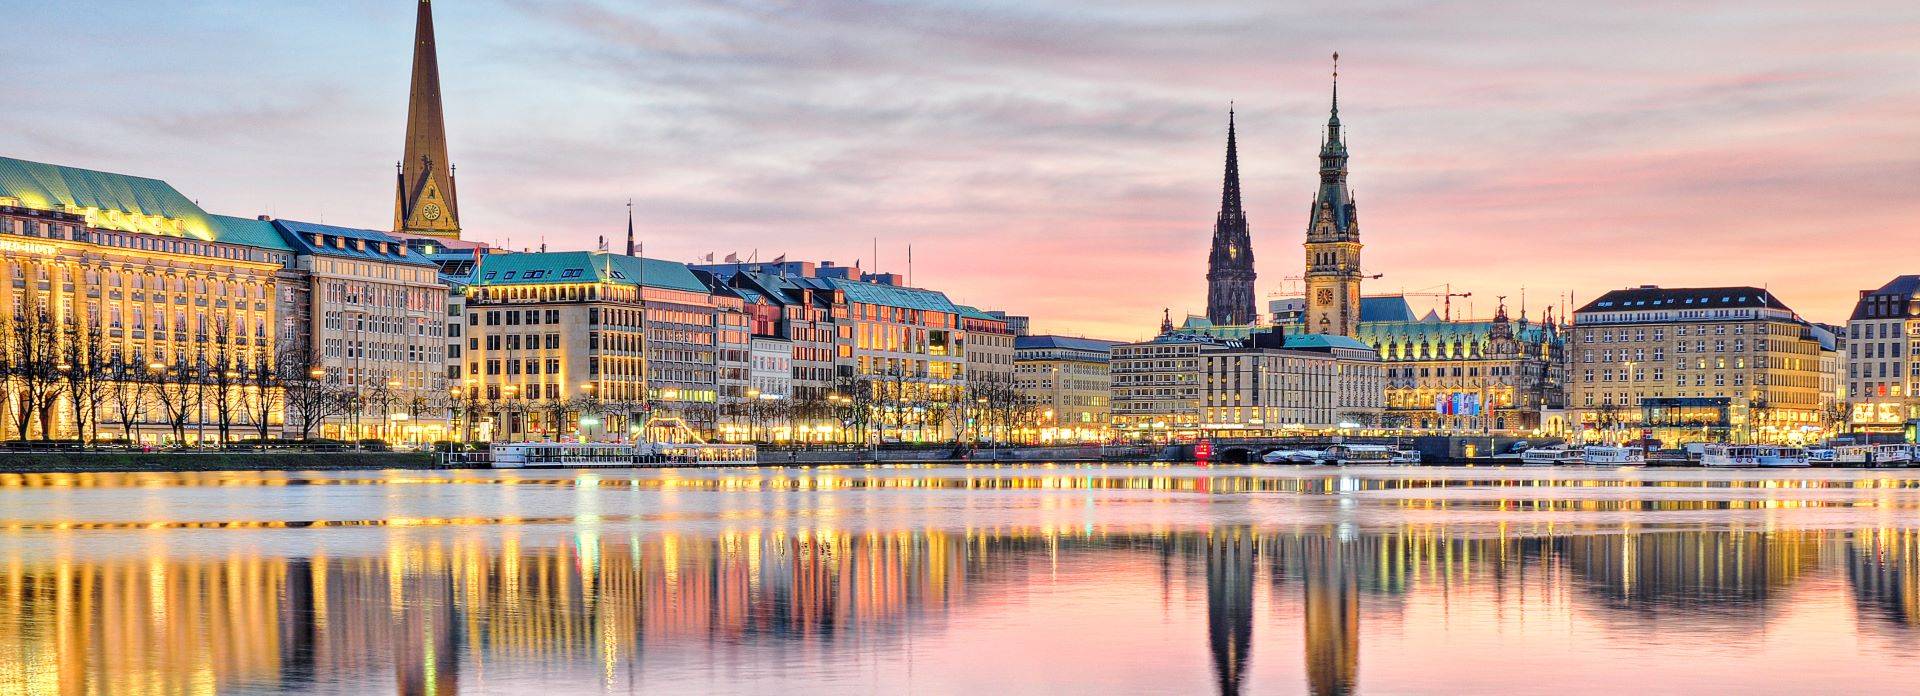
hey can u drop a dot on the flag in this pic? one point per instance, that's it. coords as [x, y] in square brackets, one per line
[733, 258]
[709, 258]
[777, 260]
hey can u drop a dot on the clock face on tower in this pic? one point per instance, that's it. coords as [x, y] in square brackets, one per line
[1326, 295]
[430, 211]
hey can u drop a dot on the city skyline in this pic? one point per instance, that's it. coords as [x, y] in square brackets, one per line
[1595, 158]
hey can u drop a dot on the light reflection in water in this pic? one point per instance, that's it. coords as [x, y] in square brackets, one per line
[609, 598]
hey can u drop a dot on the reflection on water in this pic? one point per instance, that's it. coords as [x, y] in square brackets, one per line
[658, 583]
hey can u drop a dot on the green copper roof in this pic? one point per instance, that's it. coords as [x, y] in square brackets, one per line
[894, 296]
[972, 312]
[110, 201]
[251, 232]
[1324, 341]
[584, 267]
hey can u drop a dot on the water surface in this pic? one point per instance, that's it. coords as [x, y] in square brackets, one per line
[986, 579]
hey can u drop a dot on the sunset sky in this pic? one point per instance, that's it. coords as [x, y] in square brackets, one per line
[1057, 160]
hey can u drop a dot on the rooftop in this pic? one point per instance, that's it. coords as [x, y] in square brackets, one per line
[1062, 342]
[895, 296]
[359, 243]
[584, 267]
[1653, 297]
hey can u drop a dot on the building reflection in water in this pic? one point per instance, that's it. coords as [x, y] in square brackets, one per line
[435, 611]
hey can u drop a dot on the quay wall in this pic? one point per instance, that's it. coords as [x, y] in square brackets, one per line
[57, 462]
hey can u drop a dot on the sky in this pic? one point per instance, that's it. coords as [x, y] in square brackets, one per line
[1059, 160]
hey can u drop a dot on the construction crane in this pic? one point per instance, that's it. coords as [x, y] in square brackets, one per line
[1446, 298]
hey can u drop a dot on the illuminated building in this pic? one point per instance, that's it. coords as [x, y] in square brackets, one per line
[1883, 357]
[554, 337]
[802, 315]
[1333, 238]
[1694, 364]
[902, 349]
[424, 202]
[1267, 384]
[1068, 379]
[171, 311]
[1511, 369]
[376, 329]
[988, 346]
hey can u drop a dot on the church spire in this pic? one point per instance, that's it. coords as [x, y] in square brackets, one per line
[629, 227]
[1230, 273]
[1230, 186]
[425, 202]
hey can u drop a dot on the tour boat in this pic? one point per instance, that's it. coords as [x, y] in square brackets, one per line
[572, 455]
[1407, 456]
[1551, 456]
[1874, 455]
[1613, 455]
[1724, 455]
[1359, 455]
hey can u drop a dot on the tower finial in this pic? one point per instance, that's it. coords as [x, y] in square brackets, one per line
[629, 227]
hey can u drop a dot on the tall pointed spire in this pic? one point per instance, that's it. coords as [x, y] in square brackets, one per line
[1230, 265]
[629, 227]
[425, 202]
[1333, 119]
[1230, 187]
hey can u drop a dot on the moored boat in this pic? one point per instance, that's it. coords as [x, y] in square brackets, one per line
[1724, 455]
[571, 455]
[1613, 455]
[1553, 455]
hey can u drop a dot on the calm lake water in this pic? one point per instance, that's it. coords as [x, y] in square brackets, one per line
[977, 580]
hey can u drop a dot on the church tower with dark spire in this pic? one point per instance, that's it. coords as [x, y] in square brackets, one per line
[424, 201]
[1230, 265]
[1333, 237]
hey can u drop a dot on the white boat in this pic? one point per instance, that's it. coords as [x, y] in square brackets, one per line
[1893, 455]
[1613, 455]
[1359, 455]
[1853, 454]
[1874, 455]
[573, 455]
[1406, 456]
[1723, 455]
[1822, 455]
[1554, 455]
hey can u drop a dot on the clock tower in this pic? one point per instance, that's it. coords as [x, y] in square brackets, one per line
[424, 201]
[1230, 265]
[1333, 238]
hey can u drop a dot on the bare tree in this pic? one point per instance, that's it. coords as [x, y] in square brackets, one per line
[310, 400]
[224, 375]
[132, 389]
[33, 364]
[82, 368]
[264, 394]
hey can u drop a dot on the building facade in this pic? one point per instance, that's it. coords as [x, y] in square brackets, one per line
[161, 313]
[1068, 378]
[376, 332]
[1498, 375]
[1186, 386]
[1883, 358]
[1694, 364]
